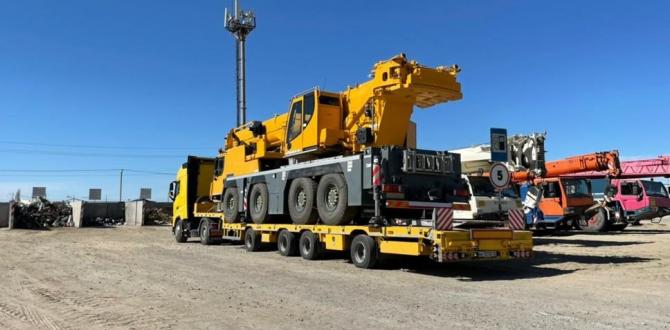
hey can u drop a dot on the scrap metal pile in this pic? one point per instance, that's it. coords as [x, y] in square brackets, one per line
[40, 213]
[156, 216]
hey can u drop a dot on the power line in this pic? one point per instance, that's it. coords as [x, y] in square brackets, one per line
[91, 146]
[60, 171]
[83, 154]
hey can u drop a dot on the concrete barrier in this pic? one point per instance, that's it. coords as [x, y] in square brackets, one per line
[136, 211]
[4, 215]
[84, 213]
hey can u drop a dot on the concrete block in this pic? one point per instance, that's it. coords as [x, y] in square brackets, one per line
[77, 213]
[135, 213]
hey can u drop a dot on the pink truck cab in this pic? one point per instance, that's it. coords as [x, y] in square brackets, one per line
[641, 199]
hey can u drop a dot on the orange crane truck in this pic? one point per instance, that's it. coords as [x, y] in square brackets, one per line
[562, 202]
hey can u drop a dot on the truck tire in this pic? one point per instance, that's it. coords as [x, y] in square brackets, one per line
[301, 196]
[231, 201]
[258, 203]
[309, 246]
[332, 200]
[364, 251]
[596, 223]
[205, 239]
[179, 235]
[287, 244]
[252, 240]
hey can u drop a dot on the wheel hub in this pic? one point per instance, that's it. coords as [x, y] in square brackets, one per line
[332, 198]
[360, 253]
[259, 203]
[302, 200]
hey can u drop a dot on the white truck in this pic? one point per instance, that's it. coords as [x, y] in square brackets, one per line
[486, 204]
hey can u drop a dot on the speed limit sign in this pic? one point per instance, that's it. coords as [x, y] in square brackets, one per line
[499, 176]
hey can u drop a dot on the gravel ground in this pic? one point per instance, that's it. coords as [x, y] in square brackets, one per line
[140, 278]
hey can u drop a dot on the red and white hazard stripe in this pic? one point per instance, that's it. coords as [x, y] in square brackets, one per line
[377, 175]
[516, 219]
[444, 218]
[244, 200]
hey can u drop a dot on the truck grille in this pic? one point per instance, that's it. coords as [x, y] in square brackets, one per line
[417, 162]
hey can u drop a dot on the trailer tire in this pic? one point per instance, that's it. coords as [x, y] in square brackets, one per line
[230, 202]
[332, 200]
[204, 233]
[364, 253]
[252, 240]
[179, 235]
[309, 246]
[287, 244]
[596, 223]
[258, 203]
[301, 198]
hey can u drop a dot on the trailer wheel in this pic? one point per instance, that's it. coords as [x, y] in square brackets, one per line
[230, 205]
[596, 223]
[179, 235]
[204, 232]
[258, 203]
[252, 240]
[286, 244]
[331, 200]
[364, 251]
[310, 247]
[301, 197]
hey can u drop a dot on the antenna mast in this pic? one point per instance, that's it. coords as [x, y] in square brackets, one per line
[240, 24]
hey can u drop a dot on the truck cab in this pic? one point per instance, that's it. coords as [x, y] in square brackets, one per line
[642, 199]
[486, 205]
[564, 200]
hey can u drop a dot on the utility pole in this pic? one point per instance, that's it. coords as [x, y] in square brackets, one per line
[121, 186]
[240, 24]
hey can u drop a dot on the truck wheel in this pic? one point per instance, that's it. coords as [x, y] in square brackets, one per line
[252, 240]
[204, 232]
[309, 246]
[286, 244]
[230, 205]
[301, 197]
[596, 223]
[331, 200]
[179, 232]
[258, 203]
[364, 251]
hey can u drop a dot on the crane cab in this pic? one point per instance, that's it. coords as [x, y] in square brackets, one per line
[314, 123]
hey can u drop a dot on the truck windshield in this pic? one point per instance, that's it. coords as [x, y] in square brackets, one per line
[481, 186]
[655, 189]
[576, 188]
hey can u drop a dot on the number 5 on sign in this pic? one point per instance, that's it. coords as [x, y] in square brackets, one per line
[499, 176]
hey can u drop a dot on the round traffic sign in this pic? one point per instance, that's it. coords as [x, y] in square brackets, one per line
[499, 176]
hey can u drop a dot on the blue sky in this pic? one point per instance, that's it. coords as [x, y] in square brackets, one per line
[157, 77]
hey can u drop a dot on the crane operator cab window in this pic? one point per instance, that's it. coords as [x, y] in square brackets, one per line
[301, 113]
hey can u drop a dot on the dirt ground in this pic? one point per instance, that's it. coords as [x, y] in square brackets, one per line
[141, 278]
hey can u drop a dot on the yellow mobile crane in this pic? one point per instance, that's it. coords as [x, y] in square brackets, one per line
[339, 172]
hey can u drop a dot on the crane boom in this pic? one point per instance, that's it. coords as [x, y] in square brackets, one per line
[607, 161]
[634, 169]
